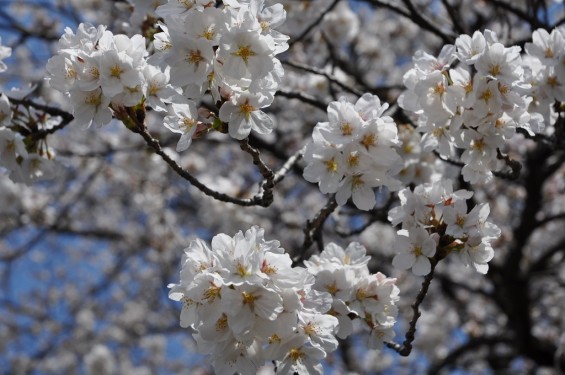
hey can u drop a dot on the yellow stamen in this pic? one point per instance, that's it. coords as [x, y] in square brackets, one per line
[245, 52]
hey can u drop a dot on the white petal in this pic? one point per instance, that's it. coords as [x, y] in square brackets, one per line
[403, 261]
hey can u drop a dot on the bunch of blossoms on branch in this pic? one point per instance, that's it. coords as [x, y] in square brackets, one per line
[475, 107]
[354, 151]
[544, 68]
[23, 158]
[435, 224]
[248, 305]
[99, 71]
[228, 52]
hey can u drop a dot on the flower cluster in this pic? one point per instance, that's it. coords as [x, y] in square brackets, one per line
[248, 304]
[98, 69]
[435, 219]
[228, 51]
[354, 151]
[24, 160]
[357, 296]
[544, 68]
[476, 106]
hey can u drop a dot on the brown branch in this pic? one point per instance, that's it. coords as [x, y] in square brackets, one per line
[291, 162]
[313, 229]
[305, 98]
[320, 72]
[257, 200]
[515, 167]
[415, 16]
[66, 117]
[406, 348]
[454, 16]
[507, 6]
[268, 175]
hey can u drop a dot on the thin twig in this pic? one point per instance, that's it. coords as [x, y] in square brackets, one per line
[291, 162]
[268, 175]
[66, 117]
[320, 72]
[406, 348]
[305, 98]
[257, 200]
[509, 7]
[313, 229]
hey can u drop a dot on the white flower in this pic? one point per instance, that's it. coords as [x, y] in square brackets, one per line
[469, 49]
[246, 54]
[320, 329]
[34, 168]
[209, 24]
[11, 147]
[339, 282]
[455, 216]
[379, 335]
[300, 357]
[477, 254]
[243, 114]
[427, 63]
[5, 110]
[414, 248]
[500, 63]
[190, 61]
[360, 189]
[157, 89]
[91, 106]
[344, 123]
[117, 72]
[232, 356]
[245, 302]
[546, 47]
[183, 120]
[341, 24]
[62, 72]
[325, 166]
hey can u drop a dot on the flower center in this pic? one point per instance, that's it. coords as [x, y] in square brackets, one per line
[245, 52]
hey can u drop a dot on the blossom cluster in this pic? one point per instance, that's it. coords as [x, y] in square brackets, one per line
[23, 161]
[248, 305]
[354, 151]
[544, 67]
[96, 69]
[357, 295]
[476, 106]
[228, 51]
[434, 219]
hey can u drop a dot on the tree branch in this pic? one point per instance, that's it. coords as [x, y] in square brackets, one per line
[406, 348]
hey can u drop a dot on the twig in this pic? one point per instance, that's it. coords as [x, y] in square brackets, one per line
[515, 167]
[291, 162]
[66, 117]
[313, 229]
[406, 348]
[266, 172]
[308, 99]
[320, 72]
[257, 200]
[532, 20]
